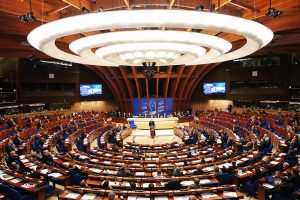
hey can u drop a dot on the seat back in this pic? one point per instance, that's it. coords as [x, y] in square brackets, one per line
[224, 178]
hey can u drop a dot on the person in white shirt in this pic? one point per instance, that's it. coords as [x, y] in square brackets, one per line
[158, 174]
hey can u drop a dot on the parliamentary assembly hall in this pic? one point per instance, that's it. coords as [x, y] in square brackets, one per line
[149, 99]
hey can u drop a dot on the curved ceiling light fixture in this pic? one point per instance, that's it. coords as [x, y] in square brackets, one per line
[164, 47]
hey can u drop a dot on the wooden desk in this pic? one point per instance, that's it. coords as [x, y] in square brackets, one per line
[160, 123]
[263, 192]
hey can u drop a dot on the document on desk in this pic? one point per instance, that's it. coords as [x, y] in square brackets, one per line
[16, 180]
[151, 165]
[136, 165]
[229, 194]
[96, 170]
[179, 163]
[161, 198]
[106, 162]
[244, 159]
[187, 183]
[111, 172]
[181, 197]
[140, 173]
[28, 185]
[207, 195]
[208, 159]
[137, 198]
[6, 177]
[273, 162]
[204, 181]
[94, 160]
[89, 196]
[267, 185]
[72, 195]
[83, 157]
[44, 171]
[24, 160]
[55, 175]
[165, 164]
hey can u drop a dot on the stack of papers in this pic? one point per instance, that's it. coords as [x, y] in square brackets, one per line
[229, 194]
[181, 197]
[267, 185]
[207, 195]
[204, 181]
[140, 173]
[72, 195]
[55, 175]
[187, 183]
[16, 180]
[274, 162]
[44, 171]
[89, 196]
[28, 185]
[96, 170]
[5, 177]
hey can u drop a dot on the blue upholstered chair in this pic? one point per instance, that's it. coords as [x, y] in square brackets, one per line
[131, 124]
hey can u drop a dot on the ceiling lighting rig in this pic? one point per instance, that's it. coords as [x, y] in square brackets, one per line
[149, 70]
[29, 16]
[273, 12]
[150, 36]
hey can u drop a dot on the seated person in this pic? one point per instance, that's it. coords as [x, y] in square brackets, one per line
[132, 186]
[283, 189]
[10, 147]
[123, 172]
[17, 141]
[177, 172]
[196, 184]
[111, 196]
[256, 176]
[158, 174]
[174, 184]
[193, 197]
[198, 170]
[47, 157]
[151, 187]
[105, 185]
[294, 178]
[217, 170]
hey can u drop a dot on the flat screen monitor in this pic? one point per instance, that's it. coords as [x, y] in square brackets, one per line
[87, 90]
[214, 88]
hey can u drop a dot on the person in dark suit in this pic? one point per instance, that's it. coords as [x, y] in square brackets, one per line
[152, 128]
[123, 172]
[10, 147]
[174, 184]
[294, 178]
[151, 124]
[198, 170]
[284, 189]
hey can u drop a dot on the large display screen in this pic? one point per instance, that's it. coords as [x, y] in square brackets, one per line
[148, 106]
[90, 90]
[214, 88]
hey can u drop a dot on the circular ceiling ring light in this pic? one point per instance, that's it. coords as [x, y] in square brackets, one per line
[218, 46]
[151, 52]
[155, 36]
[44, 37]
